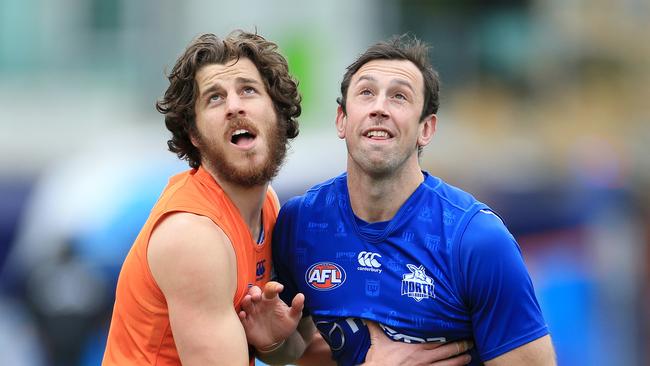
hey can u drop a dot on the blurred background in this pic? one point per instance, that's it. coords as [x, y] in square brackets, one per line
[544, 116]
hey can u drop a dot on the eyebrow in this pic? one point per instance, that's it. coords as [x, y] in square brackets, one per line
[404, 83]
[393, 81]
[367, 78]
[243, 80]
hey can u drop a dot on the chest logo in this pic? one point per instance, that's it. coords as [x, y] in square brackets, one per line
[260, 269]
[368, 261]
[417, 284]
[325, 276]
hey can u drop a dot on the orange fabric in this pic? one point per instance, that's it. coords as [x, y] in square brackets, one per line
[140, 333]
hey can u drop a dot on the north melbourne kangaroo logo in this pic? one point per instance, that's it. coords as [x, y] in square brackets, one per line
[368, 262]
[417, 284]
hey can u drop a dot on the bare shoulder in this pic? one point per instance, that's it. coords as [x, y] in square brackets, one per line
[189, 253]
[193, 263]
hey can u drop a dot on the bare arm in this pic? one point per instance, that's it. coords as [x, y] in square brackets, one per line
[536, 353]
[318, 352]
[297, 344]
[194, 265]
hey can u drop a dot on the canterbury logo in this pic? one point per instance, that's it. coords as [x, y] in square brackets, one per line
[369, 259]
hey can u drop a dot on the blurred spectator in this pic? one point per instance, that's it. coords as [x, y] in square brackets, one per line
[69, 299]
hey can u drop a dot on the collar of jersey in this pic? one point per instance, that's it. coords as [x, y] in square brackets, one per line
[404, 212]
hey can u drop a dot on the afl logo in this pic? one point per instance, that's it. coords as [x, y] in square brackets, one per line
[325, 276]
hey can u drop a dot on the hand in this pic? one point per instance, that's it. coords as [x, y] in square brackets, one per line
[384, 351]
[266, 319]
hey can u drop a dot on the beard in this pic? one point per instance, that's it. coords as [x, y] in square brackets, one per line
[212, 154]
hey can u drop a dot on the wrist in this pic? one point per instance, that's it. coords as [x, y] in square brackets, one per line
[270, 348]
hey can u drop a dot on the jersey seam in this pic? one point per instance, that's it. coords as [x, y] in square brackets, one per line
[466, 209]
[162, 338]
[318, 187]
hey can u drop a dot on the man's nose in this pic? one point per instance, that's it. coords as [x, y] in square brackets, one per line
[379, 108]
[234, 107]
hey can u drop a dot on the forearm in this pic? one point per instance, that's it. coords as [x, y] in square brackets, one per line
[292, 348]
[318, 353]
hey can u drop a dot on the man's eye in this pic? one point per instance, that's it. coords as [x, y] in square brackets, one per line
[400, 96]
[365, 92]
[249, 90]
[215, 98]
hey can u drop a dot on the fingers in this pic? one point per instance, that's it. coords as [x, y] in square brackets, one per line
[384, 351]
[452, 349]
[297, 304]
[247, 304]
[255, 292]
[272, 289]
[455, 348]
[455, 361]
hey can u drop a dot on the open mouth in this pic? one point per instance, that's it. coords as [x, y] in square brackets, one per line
[242, 137]
[378, 135]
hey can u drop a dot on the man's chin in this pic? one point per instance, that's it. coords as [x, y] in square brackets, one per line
[254, 168]
[248, 176]
[376, 168]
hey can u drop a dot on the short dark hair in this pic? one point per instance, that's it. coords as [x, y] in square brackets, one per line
[180, 97]
[402, 47]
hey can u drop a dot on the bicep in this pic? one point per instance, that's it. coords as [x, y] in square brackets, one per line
[194, 265]
[536, 353]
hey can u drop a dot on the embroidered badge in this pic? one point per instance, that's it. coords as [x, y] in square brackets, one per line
[417, 284]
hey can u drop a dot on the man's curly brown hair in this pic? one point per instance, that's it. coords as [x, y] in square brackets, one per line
[180, 98]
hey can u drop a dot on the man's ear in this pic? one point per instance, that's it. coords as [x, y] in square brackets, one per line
[341, 122]
[193, 138]
[427, 129]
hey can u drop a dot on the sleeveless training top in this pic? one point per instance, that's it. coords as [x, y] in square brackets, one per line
[140, 333]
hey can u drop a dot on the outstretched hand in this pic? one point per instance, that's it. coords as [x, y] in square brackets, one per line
[384, 351]
[267, 320]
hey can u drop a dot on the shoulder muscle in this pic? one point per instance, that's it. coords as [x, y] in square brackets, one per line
[193, 262]
[189, 255]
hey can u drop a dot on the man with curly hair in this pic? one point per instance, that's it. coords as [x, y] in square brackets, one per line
[231, 107]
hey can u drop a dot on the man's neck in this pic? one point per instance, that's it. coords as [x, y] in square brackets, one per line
[376, 199]
[248, 200]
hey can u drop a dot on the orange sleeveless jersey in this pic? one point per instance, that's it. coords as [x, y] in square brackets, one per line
[140, 333]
